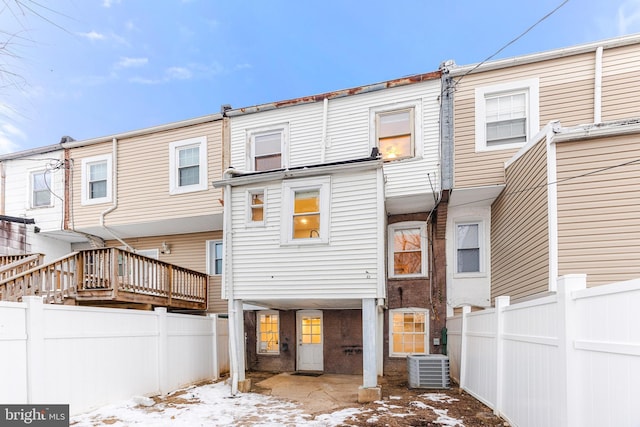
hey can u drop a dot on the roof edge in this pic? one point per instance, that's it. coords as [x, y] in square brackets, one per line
[455, 71]
[402, 81]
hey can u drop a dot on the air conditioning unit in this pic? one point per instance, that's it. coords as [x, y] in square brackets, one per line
[428, 371]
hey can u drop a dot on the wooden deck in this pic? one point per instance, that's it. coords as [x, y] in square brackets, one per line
[109, 276]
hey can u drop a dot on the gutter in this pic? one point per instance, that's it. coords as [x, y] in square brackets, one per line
[139, 132]
[455, 71]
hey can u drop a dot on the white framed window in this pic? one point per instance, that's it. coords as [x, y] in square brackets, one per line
[256, 206]
[41, 189]
[507, 114]
[267, 148]
[408, 331]
[268, 324]
[214, 257]
[188, 165]
[469, 255]
[407, 249]
[396, 132]
[305, 213]
[96, 180]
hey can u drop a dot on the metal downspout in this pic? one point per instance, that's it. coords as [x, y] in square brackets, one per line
[114, 206]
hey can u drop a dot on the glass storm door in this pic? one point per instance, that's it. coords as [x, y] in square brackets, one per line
[310, 340]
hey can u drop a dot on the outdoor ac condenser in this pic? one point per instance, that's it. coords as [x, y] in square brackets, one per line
[428, 371]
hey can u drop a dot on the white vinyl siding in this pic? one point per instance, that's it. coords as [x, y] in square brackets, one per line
[345, 267]
[349, 134]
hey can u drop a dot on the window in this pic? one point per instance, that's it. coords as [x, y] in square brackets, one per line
[468, 249]
[40, 193]
[394, 130]
[267, 148]
[409, 332]
[407, 250]
[255, 207]
[268, 332]
[306, 212]
[506, 115]
[96, 180]
[188, 165]
[214, 257]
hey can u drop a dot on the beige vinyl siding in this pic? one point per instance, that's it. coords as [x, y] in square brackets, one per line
[346, 267]
[621, 83]
[566, 94]
[598, 225]
[143, 178]
[519, 229]
[187, 251]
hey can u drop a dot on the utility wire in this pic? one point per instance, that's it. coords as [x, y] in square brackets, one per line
[514, 40]
[536, 187]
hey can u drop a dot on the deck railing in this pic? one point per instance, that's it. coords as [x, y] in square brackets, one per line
[54, 281]
[11, 265]
[111, 274]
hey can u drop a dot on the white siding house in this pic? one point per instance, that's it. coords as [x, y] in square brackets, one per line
[33, 188]
[315, 186]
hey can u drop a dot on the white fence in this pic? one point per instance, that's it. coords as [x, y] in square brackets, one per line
[567, 359]
[87, 357]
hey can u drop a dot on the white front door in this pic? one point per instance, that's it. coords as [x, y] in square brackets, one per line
[310, 338]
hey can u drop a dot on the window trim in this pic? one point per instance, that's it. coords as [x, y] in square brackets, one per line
[417, 140]
[426, 330]
[283, 128]
[174, 149]
[258, 332]
[323, 185]
[32, 181]
[86, 163]
[423, 246]
[481, 244]
[211, 245]
[532, 89]
[249, 221]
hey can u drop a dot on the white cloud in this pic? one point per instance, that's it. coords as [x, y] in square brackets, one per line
[109, 3]
[8, 134]
[8, 128]
[126, 62]
[243, 66]
[629, 17]
[178, 73]
[130, 26]
[93, 35]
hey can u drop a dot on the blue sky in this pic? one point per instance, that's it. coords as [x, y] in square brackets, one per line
[97, 67]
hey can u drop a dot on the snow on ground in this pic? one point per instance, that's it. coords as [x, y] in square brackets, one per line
[212, 405]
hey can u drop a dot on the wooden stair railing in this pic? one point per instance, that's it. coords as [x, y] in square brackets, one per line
[18, 264]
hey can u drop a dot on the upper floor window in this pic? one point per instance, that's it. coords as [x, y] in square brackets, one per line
[469, 247]
[306, 213]
[267, 148]
[256, 207]
[214, 257]
[407, 250]
[507, 115]
[40, 189]
[188, 165]
[395, 134]
[395, 131]
[96, 180]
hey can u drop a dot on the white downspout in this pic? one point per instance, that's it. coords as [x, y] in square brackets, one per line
[227, 274]
[114, 186]
[597, 92]
[325, 119]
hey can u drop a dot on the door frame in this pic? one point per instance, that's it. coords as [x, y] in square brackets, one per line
[299, 315]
